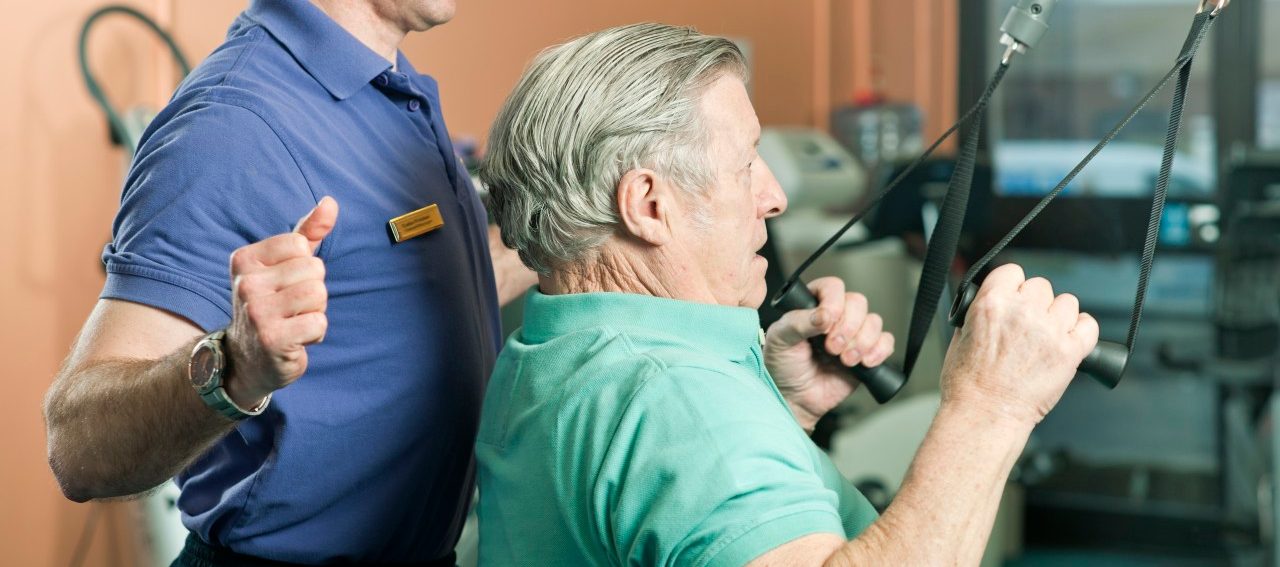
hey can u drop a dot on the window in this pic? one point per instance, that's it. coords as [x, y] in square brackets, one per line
[1059, 99]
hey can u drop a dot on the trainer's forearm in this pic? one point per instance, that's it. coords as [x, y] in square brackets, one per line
[122, 427]
[944, 512]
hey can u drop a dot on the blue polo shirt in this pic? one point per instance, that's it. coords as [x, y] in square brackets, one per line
[369, 456]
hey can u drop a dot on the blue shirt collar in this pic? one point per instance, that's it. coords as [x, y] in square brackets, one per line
[334, 57]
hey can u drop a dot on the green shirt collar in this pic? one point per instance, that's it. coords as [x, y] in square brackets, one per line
[717, 329]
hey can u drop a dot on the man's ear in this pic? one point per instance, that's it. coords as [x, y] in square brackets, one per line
[645, 206]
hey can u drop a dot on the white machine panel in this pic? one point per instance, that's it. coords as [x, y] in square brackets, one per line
[814, 170]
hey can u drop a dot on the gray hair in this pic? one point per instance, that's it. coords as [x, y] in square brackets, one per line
[584, 114]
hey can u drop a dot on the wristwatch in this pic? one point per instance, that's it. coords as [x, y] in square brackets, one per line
[206, 370]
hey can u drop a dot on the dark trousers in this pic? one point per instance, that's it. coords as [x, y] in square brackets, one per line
[197, 553]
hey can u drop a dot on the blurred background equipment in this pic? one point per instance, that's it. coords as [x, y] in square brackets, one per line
[813, 169]
[125, 127]
[878, 133]
[1247, 298]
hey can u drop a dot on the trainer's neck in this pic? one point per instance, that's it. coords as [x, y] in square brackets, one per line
[362, 20]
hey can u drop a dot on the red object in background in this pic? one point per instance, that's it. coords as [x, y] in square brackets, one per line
[867, 97]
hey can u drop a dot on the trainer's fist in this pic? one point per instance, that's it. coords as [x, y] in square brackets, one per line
[278, 299]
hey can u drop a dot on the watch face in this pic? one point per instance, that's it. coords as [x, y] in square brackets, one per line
[205, 364]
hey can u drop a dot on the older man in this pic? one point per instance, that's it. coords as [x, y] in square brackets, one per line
[640, 417]
[289, 449]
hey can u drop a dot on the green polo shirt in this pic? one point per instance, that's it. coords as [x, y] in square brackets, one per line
[629, 429]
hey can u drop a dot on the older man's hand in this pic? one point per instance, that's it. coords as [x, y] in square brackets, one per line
[855, 335]
[1019, 347]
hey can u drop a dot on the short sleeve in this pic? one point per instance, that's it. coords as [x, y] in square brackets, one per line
[709, 469]
[210, 179]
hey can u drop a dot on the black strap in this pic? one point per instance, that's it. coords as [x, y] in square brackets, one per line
[1198, 29]
[946, 232]
[1182, 68]
[879, 196]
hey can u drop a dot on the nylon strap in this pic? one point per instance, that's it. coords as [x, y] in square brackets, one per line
[946, 234]
[1182, 68]
[879, 196]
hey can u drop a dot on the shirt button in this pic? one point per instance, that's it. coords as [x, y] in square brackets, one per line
[413, 105]
[382, 80]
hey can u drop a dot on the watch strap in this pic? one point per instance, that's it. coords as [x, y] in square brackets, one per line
[215, 394]
[218, 400]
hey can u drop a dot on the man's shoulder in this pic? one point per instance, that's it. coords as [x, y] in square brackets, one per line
[234, 131]
[250, 76]
[680, 388]
[612, 374]
[658, 364]
[604, 370]
[236, 105]
[700, 381]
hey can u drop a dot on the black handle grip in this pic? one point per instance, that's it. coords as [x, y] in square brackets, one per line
[1105, 363]
[883, 382]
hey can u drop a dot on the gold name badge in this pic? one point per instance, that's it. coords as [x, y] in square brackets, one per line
[417, 223]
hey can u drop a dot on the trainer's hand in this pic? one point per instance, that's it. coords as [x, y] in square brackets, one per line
[278, 298]
[1018, 349]
[855, 335]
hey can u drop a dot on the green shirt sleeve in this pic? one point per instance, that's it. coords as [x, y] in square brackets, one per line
[709, 468]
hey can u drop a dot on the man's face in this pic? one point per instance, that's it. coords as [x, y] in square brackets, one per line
[416, 15]
[725, 227]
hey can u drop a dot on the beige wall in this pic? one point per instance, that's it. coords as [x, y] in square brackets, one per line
[61, 180]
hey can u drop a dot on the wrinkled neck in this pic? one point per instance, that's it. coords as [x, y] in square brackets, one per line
[627, 269]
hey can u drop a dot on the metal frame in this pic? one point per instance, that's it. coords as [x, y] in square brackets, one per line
[1237, 42]
[975, 50]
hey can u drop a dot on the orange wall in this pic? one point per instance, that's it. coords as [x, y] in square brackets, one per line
[61, 180]
[60, 185]
[806, 56]
[478, 57]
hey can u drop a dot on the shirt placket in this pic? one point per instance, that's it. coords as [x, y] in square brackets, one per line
[424, 114]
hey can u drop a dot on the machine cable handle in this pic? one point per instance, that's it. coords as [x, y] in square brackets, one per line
[1107, 362]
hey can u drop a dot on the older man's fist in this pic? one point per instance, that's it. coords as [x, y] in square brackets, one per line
[278, 298]
[1019, 347]
[855, 335]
